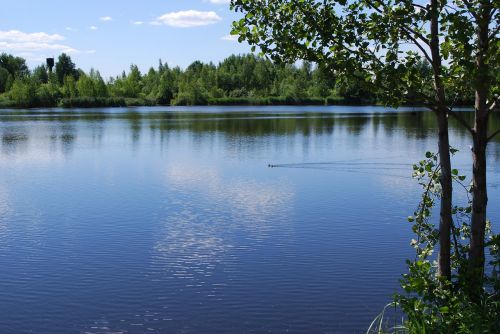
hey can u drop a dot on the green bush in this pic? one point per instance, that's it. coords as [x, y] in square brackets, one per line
[138, 102]
[265, 101]
[435, 304]
[92, 102]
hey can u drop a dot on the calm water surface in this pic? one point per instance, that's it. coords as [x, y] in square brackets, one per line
[169, 220]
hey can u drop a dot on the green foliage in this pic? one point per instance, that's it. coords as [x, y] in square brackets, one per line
[40, 74]
[364, 42]
[323, 83]
[128, 85]
[69, 89]
[95, 102]
[268, 101]
[48, 94]
[92, 102]
[238, 79]
[65, 67]
[167, 85]
[4, 77]
[431, 303]
[85, 86]
[16, 66]
[23, 93]
[91, 85]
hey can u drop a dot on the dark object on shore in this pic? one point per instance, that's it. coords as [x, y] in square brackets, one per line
[50, 64]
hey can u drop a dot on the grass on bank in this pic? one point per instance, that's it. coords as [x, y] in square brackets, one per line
[105, 102]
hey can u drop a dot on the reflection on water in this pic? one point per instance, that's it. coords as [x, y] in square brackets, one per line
[4, 211]
[171, 220]
[203, 227]
[59, 128]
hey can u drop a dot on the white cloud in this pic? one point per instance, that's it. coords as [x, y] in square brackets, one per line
[137, 23]
[17, 36]
[188, 19]
[34, 46]
[68, 29]
[106, 18]
[232, 38]
[93, 28]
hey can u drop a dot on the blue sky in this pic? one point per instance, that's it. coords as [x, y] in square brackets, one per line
[109, 35]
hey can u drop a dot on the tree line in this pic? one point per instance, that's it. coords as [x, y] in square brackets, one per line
[238, 79]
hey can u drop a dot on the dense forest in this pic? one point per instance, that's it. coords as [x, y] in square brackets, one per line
[239, 79]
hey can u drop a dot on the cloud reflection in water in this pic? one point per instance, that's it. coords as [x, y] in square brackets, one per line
[215, 216]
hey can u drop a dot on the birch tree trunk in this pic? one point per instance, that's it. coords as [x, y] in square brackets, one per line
[445, 218]
[480, 141]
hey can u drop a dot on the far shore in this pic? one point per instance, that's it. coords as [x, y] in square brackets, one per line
[112, 102]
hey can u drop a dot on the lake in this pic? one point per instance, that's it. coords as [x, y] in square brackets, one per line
[170, 220]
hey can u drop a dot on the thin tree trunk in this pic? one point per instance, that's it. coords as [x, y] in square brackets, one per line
[479, 205]
[445, 222]
[480, 141]
[444, 260]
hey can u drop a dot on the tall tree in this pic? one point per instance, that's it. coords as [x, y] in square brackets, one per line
[65, 67]
[40, 74]
[100, 88]
[379, 42]
[4, 77]
[16, 66]
[323, 82]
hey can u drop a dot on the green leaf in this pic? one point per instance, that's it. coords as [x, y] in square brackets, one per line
[444, 309]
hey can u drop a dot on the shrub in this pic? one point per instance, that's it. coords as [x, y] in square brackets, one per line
[435, 304]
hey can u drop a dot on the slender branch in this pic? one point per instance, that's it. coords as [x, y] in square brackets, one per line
[490, 138]
[461, 120]
[451, 7]
[426, 55]
[493, 12]
[408, 30]
[419, 6]
[454, 102]
[431, 106]
[425, 100]
[426, 194]
[494, 33]
[453, 227]
[405, 27]
[455, 241]
[466, 188]
[416, 33]
[471, 9]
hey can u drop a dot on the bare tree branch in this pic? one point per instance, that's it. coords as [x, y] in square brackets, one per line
[419, 6]
[426, 55]
[431, 106]
[494, 33]
[461, 120]
[471, 9]
[493, 135]
[493, 12]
